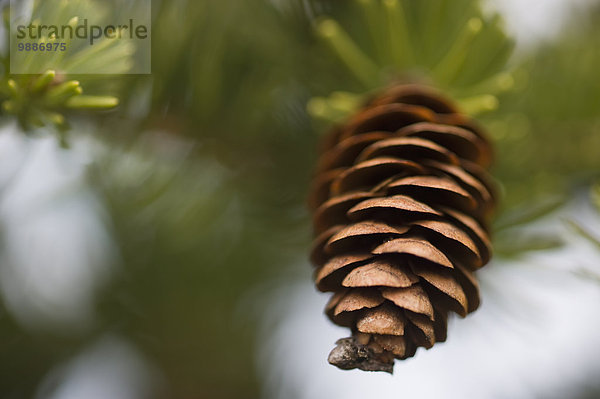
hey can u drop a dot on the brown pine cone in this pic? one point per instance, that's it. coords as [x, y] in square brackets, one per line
[401, 201]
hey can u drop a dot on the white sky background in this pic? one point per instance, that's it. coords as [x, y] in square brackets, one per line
[531, 21]
[56, 251]
[109, 368]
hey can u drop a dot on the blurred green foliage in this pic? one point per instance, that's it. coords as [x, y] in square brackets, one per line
[204, 166]
[548, 131]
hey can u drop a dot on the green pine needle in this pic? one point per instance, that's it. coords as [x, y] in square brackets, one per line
[468, 62]
[92, 102]
[354, 58]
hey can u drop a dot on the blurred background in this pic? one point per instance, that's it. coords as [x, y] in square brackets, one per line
[159, 249]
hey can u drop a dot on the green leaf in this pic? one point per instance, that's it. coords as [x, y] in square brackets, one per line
[595, 194]
[42, 81]
[513, 245]
[92, 102]
[63, 92]
[528, 213]
[583, 232]
[349, 52]
[588, 274]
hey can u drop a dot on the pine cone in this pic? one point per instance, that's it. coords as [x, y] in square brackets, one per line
[401, 202]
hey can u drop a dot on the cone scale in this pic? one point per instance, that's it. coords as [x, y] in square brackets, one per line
[401, 201]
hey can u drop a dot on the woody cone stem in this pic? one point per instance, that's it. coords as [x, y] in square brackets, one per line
[401, 202]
